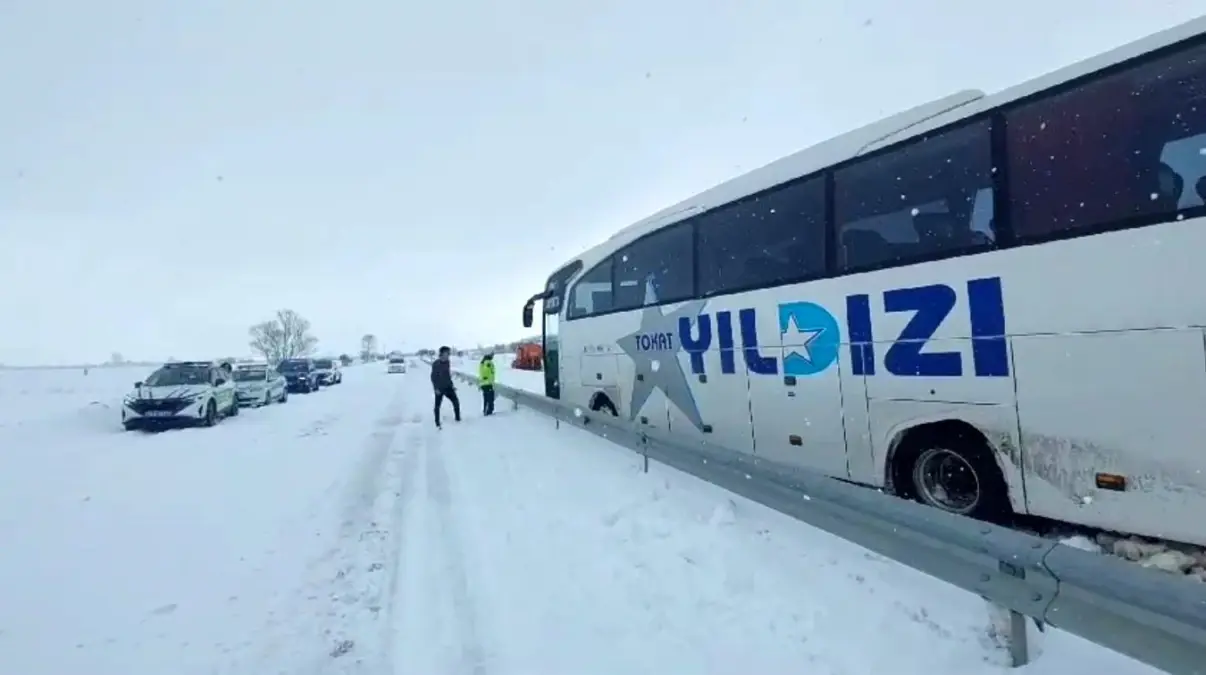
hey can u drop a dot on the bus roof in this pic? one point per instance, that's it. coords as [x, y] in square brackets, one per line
[885, 132]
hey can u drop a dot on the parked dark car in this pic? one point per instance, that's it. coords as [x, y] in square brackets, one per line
[300, 375]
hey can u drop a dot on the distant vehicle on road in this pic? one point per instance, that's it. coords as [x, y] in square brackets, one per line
[397, 364]
[183, 393]
[259, 385]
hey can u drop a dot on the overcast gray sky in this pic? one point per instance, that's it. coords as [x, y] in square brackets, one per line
[173, 172]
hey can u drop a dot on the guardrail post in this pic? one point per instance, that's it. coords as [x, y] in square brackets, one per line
[1012, 627]
[1019, 642]
[645, 450]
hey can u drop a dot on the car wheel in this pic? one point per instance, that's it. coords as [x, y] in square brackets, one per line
[284, 395]
[234, 407]
[267, 399]
[211, 414]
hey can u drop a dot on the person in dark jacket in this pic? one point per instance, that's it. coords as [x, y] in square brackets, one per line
[441, 382]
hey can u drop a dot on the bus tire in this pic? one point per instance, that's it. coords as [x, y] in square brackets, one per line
[601, 403]
[951, 466]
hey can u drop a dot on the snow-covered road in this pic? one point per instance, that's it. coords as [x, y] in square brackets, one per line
[342, 533]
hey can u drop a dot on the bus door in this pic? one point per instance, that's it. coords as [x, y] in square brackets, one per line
[553, 307]
[551, 354]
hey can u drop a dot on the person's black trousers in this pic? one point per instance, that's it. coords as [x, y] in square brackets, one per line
[449, 394]
[488, 399]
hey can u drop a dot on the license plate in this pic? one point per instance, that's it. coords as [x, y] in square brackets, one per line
[158, 413]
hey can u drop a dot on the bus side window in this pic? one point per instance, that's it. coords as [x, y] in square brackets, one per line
[592, 293]
[1186, 158]
[656, 269]
[1101, 154]
[775, 238]
[915, 202]
[556, 286]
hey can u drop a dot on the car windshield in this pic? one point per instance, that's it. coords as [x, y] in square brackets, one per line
[249, 374]
[170, 376]
[293, 366]
[322, 363]
[397, 360]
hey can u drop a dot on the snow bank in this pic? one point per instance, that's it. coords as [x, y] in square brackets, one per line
[66, 397]
[1182, 559]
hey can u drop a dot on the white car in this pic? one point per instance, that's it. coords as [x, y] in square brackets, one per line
[183, 393]
[328, 371]
[259, 385]
[396, 365]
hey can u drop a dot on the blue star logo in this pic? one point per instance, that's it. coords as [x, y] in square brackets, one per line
[810, 337]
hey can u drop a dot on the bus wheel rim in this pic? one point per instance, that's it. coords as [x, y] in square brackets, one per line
[943, 477]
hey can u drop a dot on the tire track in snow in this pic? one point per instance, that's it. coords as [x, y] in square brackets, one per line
[449, 530]
[339, 621]
[406, 496]
[367, 550]
[439, 631]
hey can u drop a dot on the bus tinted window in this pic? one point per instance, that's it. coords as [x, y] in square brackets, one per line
[556, 286]
[658, 268]
[776, 238]
[592, 293]
[1128, 146]
[922, 200]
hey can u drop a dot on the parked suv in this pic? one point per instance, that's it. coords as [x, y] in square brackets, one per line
[181, 393]
[300, 375]
[328, 371]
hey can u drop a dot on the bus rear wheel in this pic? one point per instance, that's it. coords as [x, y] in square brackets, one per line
[603, 404]
[950, 466]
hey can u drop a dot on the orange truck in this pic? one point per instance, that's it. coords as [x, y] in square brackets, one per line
[528, 357]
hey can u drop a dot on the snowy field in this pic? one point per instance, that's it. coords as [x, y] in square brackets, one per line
[342, 533]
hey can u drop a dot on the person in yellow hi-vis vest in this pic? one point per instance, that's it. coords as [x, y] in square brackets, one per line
[485, 377]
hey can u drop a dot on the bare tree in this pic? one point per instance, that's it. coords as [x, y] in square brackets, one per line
[116, 359]
[368, 346]
[286, 336]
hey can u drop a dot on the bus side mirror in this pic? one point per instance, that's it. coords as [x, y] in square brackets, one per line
[138, 385]
[527, 306]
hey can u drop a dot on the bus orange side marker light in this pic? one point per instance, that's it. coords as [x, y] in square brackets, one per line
[795, 440]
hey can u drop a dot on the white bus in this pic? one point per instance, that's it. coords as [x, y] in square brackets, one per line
[991, 304]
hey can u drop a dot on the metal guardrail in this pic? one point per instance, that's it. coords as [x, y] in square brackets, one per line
[1149, 615]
